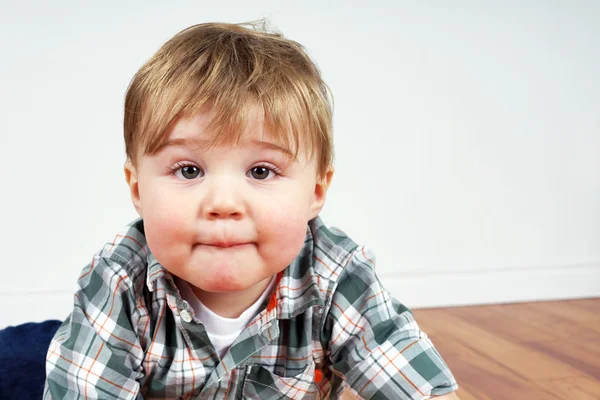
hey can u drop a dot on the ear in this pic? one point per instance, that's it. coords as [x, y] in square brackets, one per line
[320, 193]
[132, 182]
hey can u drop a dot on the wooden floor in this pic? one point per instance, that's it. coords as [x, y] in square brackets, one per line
[546, 350]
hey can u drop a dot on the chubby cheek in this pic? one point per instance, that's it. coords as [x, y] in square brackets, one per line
[284, 235]
[166, 231]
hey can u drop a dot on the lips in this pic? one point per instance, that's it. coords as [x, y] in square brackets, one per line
[226, 244]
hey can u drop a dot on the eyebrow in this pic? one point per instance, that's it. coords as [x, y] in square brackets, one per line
[189, 142]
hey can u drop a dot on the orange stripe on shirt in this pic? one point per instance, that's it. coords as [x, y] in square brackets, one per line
[192, 369]
[95, 374]
[326, 266]
[390, 361]
[92, 366]
[349, 320]
[101, 328]
[127, 237]
[90, 270]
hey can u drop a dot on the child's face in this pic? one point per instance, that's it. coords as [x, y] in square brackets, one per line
[222, 218]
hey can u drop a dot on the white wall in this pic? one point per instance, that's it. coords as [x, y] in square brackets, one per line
[467, 139]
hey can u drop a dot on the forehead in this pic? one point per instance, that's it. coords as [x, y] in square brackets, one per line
[200, 132]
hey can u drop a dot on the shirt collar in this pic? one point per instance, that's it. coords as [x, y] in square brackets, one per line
[155, 271]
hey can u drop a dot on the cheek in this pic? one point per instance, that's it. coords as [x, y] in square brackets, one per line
[290, 229]
[164, 225]
[285, 234]
[160, 231]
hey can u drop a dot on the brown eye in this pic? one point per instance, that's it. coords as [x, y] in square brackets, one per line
[190, 172]
[260, 173]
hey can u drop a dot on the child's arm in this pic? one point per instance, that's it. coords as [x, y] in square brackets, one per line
[375, 343]
[96, 353]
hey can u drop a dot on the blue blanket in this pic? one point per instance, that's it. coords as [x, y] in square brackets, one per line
[22, 359]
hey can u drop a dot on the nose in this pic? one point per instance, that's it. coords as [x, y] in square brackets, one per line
[223, 200]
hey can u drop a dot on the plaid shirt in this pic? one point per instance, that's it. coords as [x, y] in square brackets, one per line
[328, 324]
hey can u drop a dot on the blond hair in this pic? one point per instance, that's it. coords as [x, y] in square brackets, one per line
[236, 68]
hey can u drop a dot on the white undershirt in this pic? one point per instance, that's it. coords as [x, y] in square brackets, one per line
[221, 331]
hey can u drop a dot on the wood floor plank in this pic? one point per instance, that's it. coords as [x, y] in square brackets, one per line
[485, 379]
[547, 350]
[506, 362]
[588, 304]
[465, 394]
[578, 388]
[469, 334]
[449, 347]
[513, 356]
[566, 310]
[572, 354]
[536, 365]
[496, 321]
[548, 323]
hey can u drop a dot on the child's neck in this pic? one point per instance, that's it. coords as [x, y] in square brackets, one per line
[232, 304]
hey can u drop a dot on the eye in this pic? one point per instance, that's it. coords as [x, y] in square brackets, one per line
[263, 172]
[188, 172]
[260, 172]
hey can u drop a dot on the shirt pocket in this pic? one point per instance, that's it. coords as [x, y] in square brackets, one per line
[261, 383]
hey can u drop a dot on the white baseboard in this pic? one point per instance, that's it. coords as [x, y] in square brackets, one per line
[415, 290]
[510, 285]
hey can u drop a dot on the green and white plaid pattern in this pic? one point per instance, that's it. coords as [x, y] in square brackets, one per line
[328, 324]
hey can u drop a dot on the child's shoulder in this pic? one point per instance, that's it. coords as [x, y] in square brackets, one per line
[127, 244]
[125, 254]
[334, 252]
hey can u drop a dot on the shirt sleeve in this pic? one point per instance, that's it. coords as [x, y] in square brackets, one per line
[375, 343]
[96, 353]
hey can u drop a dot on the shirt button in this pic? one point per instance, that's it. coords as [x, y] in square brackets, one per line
[185, 315]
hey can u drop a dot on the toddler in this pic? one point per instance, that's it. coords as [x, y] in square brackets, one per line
[229, 285]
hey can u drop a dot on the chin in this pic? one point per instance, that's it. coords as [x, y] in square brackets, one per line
[225, 287]
[224, 279]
